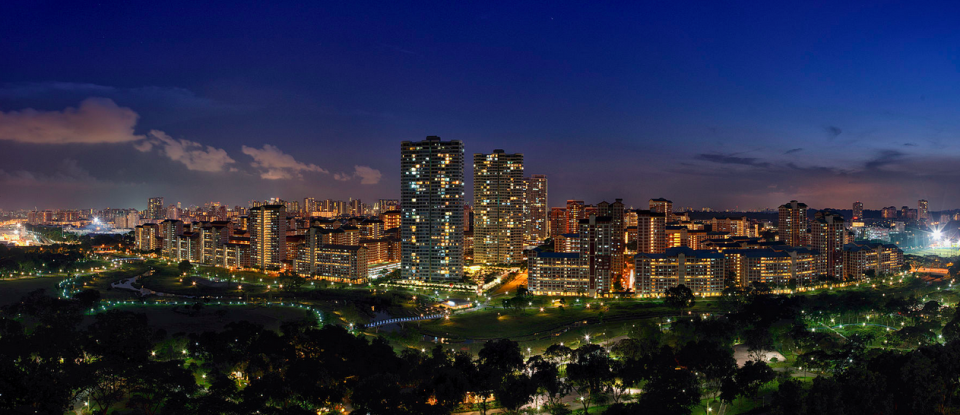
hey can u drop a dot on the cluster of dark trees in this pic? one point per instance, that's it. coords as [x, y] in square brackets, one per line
[32, 259]
[87, 242]
[51, 361]
[922, 381]
[54, 359]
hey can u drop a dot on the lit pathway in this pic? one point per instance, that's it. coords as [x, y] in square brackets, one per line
[404, 320]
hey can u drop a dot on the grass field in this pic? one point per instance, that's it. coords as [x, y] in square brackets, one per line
[214, 318]
[538, 330]
[12, 290]
[941, 252]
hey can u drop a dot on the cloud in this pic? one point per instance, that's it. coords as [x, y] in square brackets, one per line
[275, 164]
[883, 158]
[95, 120]
[832, 131]
[732, 159]
[909, 145]
[793, 150]
[189, 153]
[367, 175]
[68, 173]
[146, 99]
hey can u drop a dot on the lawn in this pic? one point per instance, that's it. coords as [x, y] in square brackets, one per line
[497, 322]
[12, 291]
[174, 319]
[941, 252]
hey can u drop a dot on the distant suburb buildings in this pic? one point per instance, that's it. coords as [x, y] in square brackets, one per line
[430, 234]
[706, 256]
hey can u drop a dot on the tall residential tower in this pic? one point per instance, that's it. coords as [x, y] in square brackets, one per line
[537, 220]
[431, 201]
[155, 209]
[498, 206]
[792, 223]
[268, 236]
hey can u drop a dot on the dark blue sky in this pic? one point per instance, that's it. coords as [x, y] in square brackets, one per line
[722, 104]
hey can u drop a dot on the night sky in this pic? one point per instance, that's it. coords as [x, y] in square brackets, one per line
[723, 104]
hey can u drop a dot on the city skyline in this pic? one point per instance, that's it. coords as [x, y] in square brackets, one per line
[656, 99]
[466, 208]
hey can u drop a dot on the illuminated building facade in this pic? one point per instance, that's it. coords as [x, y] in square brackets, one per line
[734, 226]
[391, 219]
[583, 265]
[889, 212]
[170, 229]
[155, 210]
[432, 191]
[615, 211]
[792, 223]
[498, 208]
[827, 235]
[923, 210]
[213, 237]
[568, 242]
[558, 221]
[537, 221]
[340, 263]
[676, 236]
[859, 258]
[651, 232]
[268, 236]
[575, 211]
[662, 206]
[857, 210]
[774, 267]
[701, 271]
[556, 273]
[147, 237]
[598, 249]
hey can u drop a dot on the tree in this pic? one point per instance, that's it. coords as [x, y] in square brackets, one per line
[545, 374]
[515, 390]
[379, 394]
[951, 331]
[88, 297]
[497, 359]
[119, 342]
[789, 399]
[712, 362]
[291, 281]
[824, 397]
[679, 297]
[587, 372]
[752, 376]
[162, 385]
[558, 354]
[670, 390]
[184, 266]
[623, 374]
[451, 382]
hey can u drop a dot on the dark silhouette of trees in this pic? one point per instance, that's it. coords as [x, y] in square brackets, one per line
[184, 266]
[588, 372]
[679, 298]
[54, 358]
[495, 361]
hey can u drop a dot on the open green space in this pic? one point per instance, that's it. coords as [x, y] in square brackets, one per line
[186, 319]
[497, 322]
[11, 290]
[941, 252]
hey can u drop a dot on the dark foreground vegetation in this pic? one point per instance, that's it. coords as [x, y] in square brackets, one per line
[54, 359]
